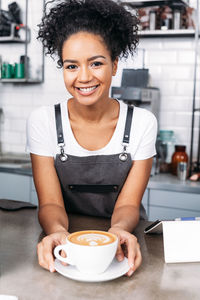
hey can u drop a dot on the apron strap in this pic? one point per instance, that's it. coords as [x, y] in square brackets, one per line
[60, 137]
[59, 129]
[128, 124]
[123, 156]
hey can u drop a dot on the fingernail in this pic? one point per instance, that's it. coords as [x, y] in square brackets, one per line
[51, 269]
[120, 257]
[131, 273]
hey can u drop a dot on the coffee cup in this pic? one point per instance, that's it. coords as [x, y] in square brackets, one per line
[91, 251]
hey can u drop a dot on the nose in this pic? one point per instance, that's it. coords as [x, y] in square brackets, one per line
[84, 74]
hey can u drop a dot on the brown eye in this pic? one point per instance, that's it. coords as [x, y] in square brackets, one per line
[97, 63]
[71, 67]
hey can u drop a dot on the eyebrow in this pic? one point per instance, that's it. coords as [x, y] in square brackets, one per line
[89, 59]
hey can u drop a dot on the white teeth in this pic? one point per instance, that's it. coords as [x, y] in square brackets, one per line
[87, 89]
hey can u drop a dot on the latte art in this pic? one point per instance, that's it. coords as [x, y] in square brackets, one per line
[91, 238]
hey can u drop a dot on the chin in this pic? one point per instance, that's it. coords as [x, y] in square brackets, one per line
[87, 101]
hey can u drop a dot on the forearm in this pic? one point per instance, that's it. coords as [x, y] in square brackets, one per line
[125, 217]
[53, 218]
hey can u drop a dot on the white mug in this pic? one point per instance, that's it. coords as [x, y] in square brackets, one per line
[92, 258]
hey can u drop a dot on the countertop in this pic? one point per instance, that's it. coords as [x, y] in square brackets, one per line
[21, 275]
[170, 182]
[161, 181]
[20, 171]
[165, 182]
[15, 163]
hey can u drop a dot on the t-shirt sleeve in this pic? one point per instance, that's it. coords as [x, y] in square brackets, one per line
[146, 146]
[38, 136]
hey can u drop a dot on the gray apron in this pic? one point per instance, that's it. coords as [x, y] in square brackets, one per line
[91, 185]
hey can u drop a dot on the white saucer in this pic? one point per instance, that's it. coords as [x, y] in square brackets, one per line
[115, 270]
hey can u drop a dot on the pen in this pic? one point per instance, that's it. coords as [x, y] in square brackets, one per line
[188, 219]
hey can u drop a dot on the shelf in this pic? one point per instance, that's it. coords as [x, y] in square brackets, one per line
[20, 34]
[23, 80]
[13, 39]
[167, 33]
[10, 39]
[145, 3]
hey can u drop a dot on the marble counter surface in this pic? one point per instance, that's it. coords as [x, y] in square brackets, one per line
[21, 275]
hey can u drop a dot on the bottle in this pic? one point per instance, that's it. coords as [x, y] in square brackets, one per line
[176, 19]
[182, 170]
[179, 155]
[167, 146]
[152, 20]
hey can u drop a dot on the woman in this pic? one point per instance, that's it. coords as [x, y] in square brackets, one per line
[91, 154]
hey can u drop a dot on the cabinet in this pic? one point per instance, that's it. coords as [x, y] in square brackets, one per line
[167, 198]
[33, 194]
[17, 187]
[164, 197]
[167, 205]
[145, 201]
[21, 55]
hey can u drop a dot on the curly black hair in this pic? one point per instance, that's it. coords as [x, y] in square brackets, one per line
[117, 26]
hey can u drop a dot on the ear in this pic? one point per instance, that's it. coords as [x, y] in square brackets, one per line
[115, 64]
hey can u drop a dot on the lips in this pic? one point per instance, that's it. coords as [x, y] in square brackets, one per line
[87, 90]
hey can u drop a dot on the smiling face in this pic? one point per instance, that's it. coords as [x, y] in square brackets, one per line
[87, 68]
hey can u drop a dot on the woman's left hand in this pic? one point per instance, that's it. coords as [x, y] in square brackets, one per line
[128, 246]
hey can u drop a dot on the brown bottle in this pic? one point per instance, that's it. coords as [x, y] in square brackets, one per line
[179, 155]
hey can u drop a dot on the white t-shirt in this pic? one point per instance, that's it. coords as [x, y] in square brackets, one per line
[42, 136]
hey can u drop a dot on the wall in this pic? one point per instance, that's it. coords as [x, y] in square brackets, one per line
[170, 62]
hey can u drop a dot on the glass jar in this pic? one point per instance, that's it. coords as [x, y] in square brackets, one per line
[179, 155]
[167, 139]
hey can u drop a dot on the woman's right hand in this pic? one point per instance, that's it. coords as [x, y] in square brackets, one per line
[46, 246]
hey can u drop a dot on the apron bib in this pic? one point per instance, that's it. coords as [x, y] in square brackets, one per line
[91, 185]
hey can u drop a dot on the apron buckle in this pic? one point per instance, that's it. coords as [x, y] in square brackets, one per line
[63, 155]
[123, 156]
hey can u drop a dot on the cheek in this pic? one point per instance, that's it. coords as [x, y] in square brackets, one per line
[104, 75]
[68, 78]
